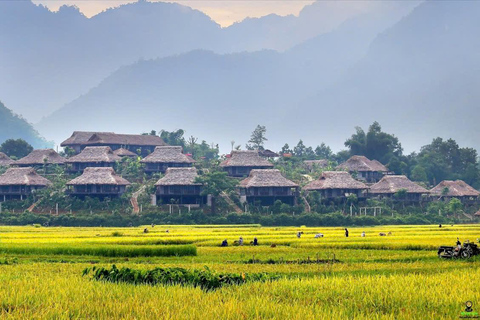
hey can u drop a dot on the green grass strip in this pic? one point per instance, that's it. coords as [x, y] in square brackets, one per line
[104, 251]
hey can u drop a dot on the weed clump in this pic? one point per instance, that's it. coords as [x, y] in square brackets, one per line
[205, 279]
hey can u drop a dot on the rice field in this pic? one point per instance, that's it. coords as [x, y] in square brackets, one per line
[397, 276]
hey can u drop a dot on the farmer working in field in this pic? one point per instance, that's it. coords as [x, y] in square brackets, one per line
[346, 232]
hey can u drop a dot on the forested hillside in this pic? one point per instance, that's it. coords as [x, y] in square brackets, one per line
[13, 126]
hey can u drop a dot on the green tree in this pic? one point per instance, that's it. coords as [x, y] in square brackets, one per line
[215, 182]
[401, 194]
[419, 174]
[286, 149]
[257, 139]
[18, 148]
[375, 144]
[173, 138]
[446, 160]
[455, 206]
[323, 151]
[299, 150]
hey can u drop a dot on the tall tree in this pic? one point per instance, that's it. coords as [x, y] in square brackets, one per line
[215, 182]
[299, 150]
[323, 151]
[375, 144]
[445, 159]
[18, 148]
[286, 149]
[257, 139]
[173, 138]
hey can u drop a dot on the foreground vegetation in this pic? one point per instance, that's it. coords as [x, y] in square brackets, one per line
[397, 276]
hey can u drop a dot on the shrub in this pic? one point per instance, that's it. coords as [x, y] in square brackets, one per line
[205, 279]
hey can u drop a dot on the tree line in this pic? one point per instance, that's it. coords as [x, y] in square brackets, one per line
[440, 160]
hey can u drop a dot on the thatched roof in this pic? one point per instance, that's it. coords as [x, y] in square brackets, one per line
[5, 161]
[99, 176]
[362, 164]
[179, 177]
[95, 154]
[40, 157]
[79, 138]
[23, 177]
[109, 138]
[393, 184]
[248, 158]
[455, 189]
[122, 152]
[310, 164]
[335, 180]
[168, 154]
[266, 178]
[268, 153]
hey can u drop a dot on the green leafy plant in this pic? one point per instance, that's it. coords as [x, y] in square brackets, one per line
[205, 279]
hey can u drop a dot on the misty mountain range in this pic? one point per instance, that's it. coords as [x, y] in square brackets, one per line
[410, 66]
[61, 55]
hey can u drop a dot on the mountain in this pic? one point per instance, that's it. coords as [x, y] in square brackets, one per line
[418, 79]
[57, 56]
[284, 32]
[15, 127]
[220, 97]
[51, 58]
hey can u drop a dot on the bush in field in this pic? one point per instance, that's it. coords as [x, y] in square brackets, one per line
[205, 279]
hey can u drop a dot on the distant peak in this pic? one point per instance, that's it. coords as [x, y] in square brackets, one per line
[67, 8]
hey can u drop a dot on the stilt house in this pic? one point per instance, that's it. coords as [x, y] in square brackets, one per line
[240, 163]
[19, 183]
[178, 186]
[266, 186]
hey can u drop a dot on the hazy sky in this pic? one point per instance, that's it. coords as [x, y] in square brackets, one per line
[222, 11]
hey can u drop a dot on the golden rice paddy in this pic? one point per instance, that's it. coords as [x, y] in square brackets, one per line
[397, 276]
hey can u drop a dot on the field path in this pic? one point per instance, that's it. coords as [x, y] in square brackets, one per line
[30, 209]
[307, 205]
[134, 200]
[231, 203]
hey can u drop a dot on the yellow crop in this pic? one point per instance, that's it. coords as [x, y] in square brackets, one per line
[397, 276]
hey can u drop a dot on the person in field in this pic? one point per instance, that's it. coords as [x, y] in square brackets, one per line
[240, 241]
[319, 235]
[224, 243]
[299, 234]
[363, 234]
[346, 232]
[255, 241]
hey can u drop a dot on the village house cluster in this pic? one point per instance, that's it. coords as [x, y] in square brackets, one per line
[96, 154]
